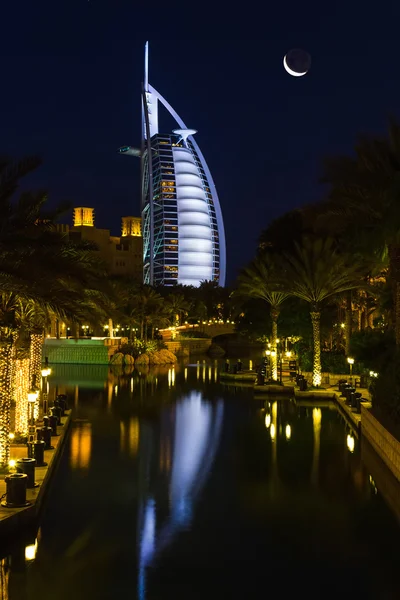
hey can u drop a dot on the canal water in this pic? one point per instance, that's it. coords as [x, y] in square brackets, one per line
[175, 486]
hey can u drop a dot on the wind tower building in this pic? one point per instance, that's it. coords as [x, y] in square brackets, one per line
[182, 226]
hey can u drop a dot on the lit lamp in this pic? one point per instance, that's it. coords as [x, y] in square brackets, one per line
[45, 373]
[351, 363]
[288, 354]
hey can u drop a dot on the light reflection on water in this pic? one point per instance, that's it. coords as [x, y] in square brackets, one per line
[166, 470]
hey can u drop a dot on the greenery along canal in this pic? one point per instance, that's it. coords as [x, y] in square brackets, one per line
[174, 486]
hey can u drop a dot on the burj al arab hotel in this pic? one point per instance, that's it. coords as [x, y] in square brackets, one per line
[183, 230]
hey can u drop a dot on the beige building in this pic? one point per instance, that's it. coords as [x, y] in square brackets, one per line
[122, 254]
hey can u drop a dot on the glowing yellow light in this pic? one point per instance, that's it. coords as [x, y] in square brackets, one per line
[342, 325]
[30, 551]
[186, 372]
[288, 354]
[350, 360]
[350, 442]
[267, 420]
[272, 431]
[12, 463]
[273, 353]
[288, 432]
[11, 436]
[32, 395]
[277, 340]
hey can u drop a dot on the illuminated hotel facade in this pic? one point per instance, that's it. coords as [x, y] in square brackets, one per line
[182, 225]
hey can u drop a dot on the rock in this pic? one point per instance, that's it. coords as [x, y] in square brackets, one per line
[142, 359]
[128, 359]
[117, 359]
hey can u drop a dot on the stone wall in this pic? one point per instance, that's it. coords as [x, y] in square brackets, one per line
[194, 345]
[383, 442]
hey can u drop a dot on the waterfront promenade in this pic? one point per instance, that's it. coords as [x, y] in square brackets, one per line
[11, 519]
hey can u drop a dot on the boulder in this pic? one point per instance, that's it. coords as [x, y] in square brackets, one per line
[128, 359]
[142, 359]
[117, 359]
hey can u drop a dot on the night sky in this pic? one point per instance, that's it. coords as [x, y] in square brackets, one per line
[71, 75]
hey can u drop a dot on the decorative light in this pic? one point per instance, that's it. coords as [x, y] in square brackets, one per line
[350, 360]
[267, 420]
[288, 432]
[30, 551]
[32, 395]
[23, 372]
[288, 354]
[277, 340]
[273, 353]
[12, 463]
[268, 352]
[350, 442]
[11, 436]
[342, 325]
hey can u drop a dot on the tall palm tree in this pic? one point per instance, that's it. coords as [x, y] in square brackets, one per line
[36, 264]
[314, 272]
[177, 307]
[259, 280]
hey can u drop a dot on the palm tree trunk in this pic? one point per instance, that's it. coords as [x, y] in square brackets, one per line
[110, 328]
[274, 353]
[35, 355]
[349, 322]
[21, 389]
[6, 352]
[315, 320]
[397, 325]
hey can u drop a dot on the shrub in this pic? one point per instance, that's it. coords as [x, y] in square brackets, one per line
[373, 347]
[385, 390]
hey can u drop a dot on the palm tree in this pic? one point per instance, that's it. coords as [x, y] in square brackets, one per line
[36, 264]
[314, 272]
[259, 280]
[177, 307]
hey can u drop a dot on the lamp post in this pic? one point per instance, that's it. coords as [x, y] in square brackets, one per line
[351, 363]
[45, 373]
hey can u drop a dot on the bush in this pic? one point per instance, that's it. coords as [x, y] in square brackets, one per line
[373, 347]
[385, 389]
[138, 347]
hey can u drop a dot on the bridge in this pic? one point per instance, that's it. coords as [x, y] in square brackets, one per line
[212, 329]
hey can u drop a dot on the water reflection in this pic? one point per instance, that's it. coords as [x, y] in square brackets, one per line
[179, 477]
[81, 447]
[193, 437]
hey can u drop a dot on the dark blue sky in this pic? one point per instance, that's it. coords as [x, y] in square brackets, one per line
[71, 76]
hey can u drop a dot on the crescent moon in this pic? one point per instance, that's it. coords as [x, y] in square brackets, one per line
[290, 71]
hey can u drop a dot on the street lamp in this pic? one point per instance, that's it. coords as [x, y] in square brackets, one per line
[45, 373]
[351, 363]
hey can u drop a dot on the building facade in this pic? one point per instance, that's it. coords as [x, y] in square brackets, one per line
[122, 255]
[183, 231]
